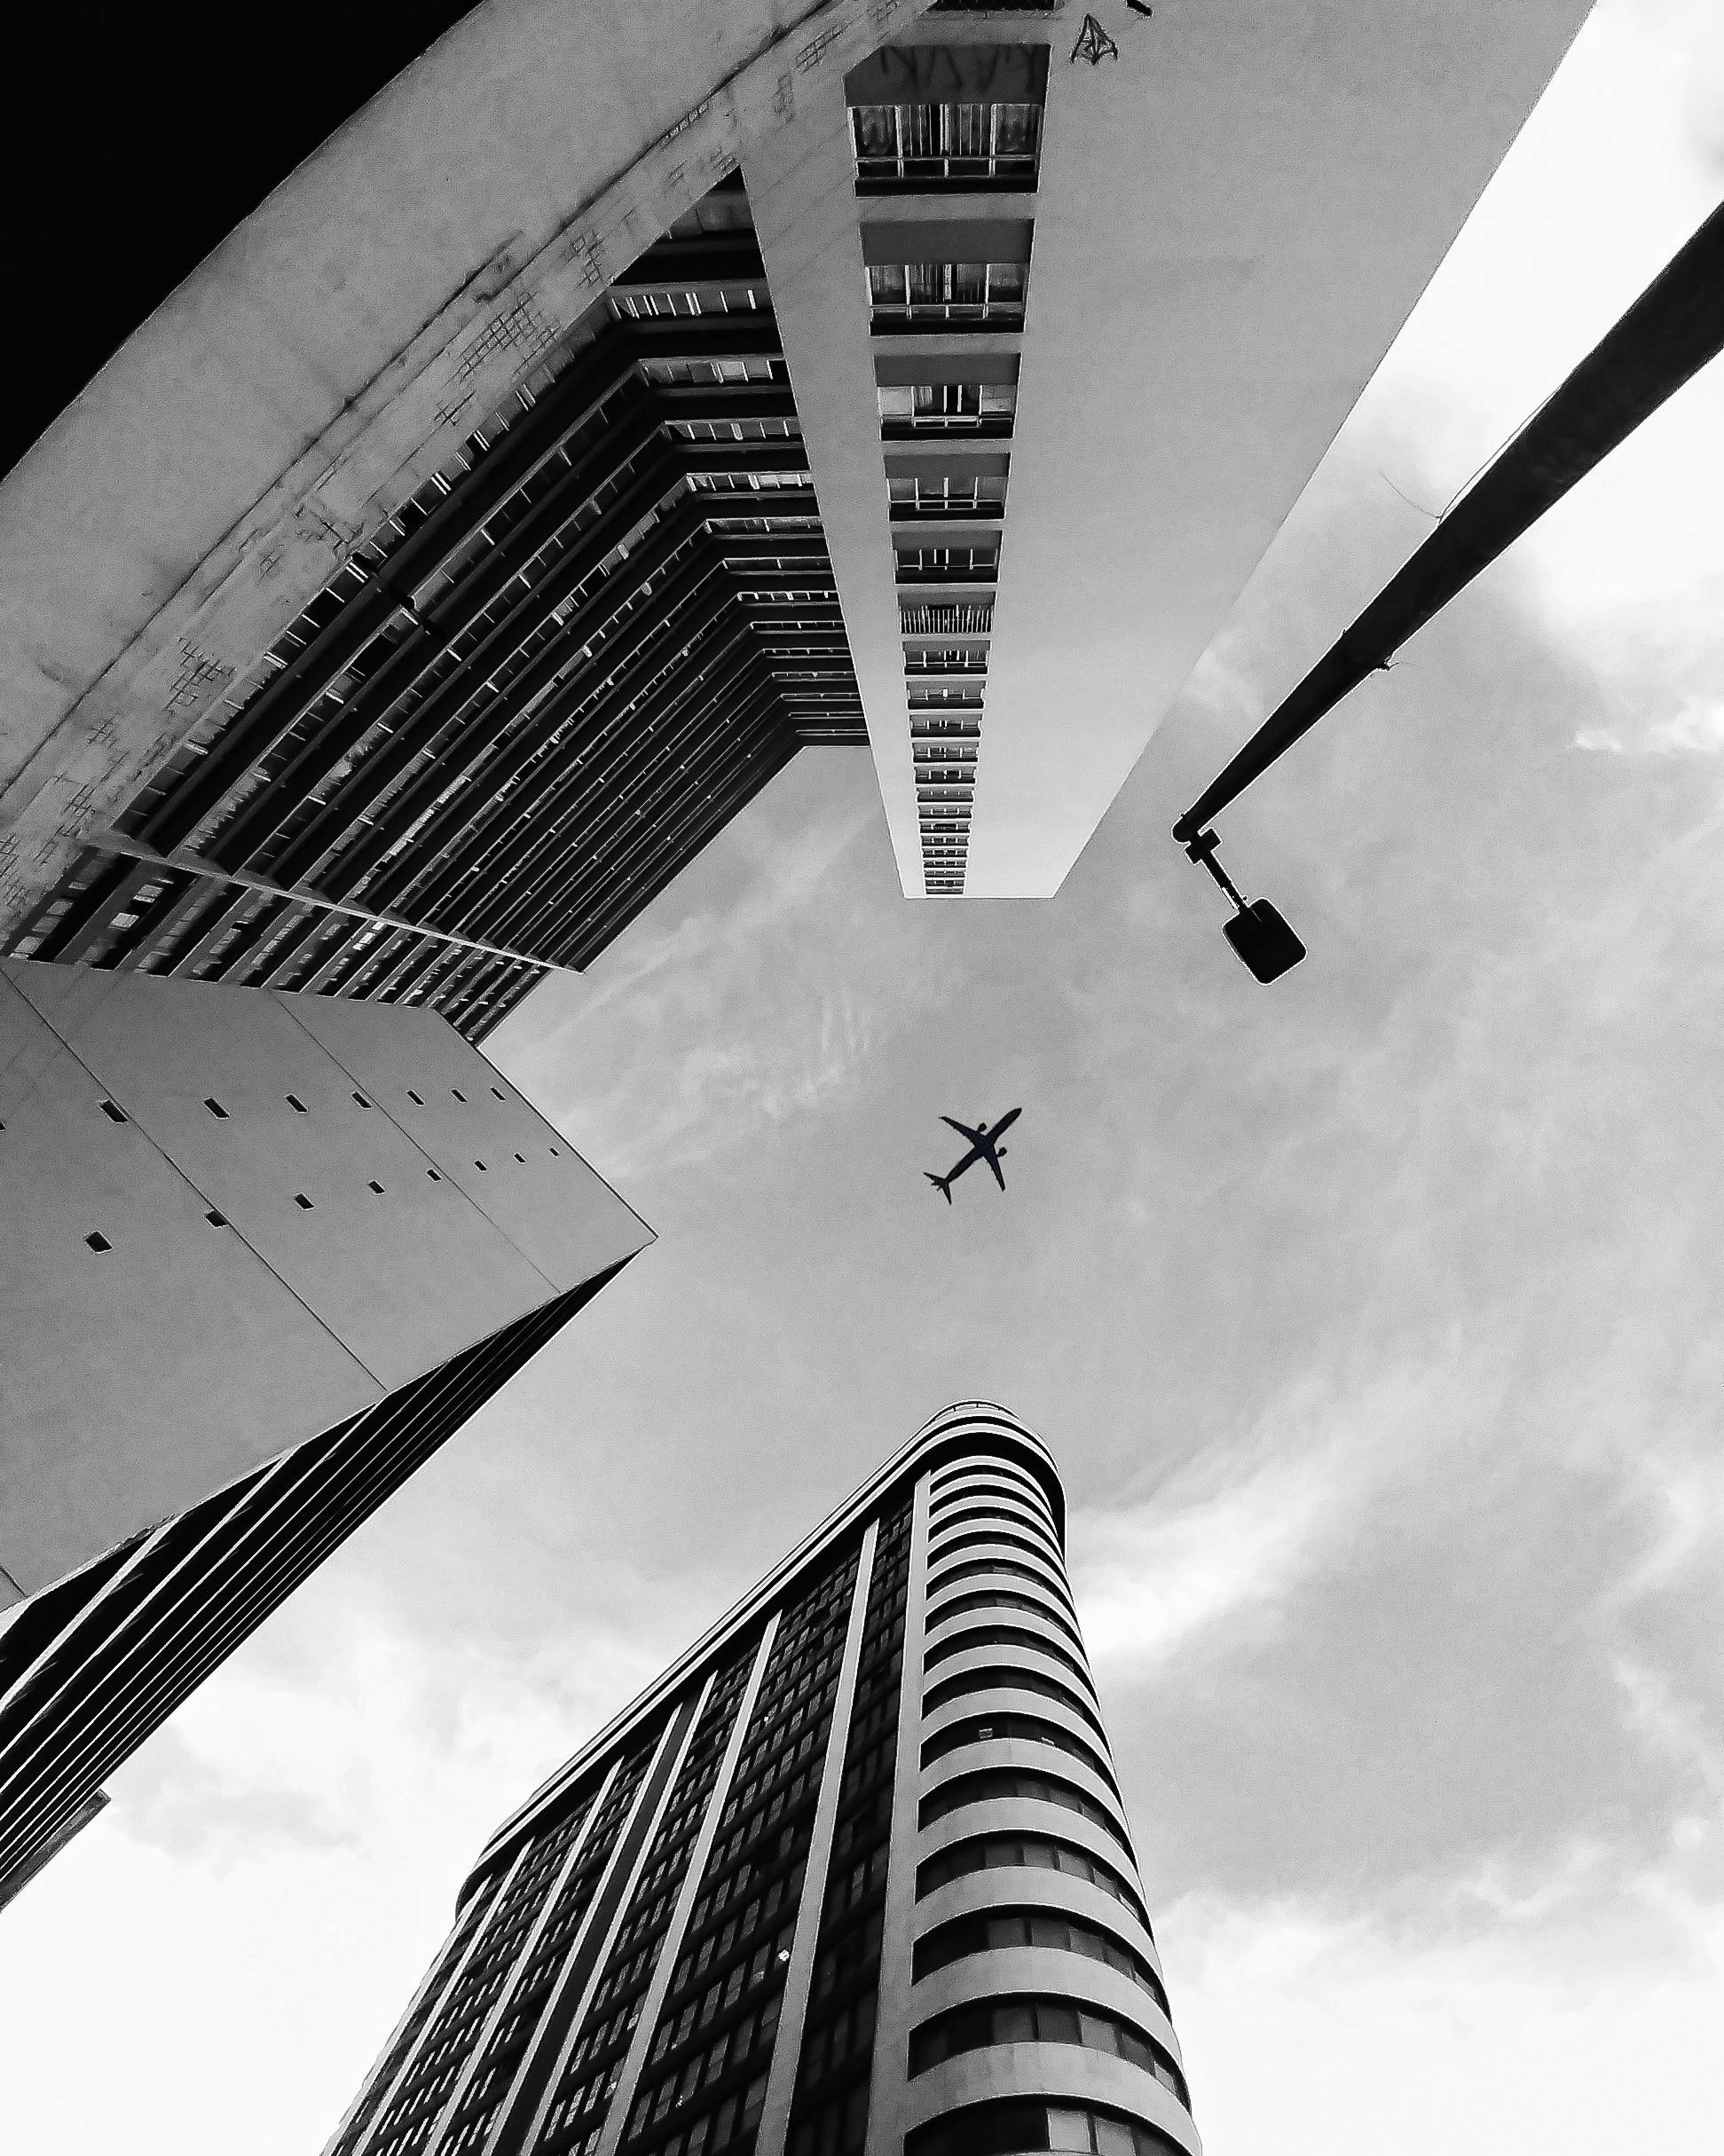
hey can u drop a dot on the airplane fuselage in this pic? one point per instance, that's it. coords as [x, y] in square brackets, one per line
[984, 1146]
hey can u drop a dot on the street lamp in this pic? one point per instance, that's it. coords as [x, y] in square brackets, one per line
[1256, 931]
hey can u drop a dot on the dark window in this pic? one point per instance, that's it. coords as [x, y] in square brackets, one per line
[480, 1166]
[1008, 1676]
[1041, 2021]
[414, 1097]
[946, 295]
[1002, 1598]
[99, 1242]
[216, 1108]
[378, 1188]
[433, 1174]
[302, 1201]
[216, 1219]
[999, 1930]
[988, 1784]
[1016, 1636]
[1027, 1853]
[114, 1115]
[362, 1102]
[456, 1090]
[297, 1105]
[993, 2129]
[498, 1091]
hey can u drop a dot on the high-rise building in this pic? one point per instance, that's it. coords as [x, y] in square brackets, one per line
[264, 1253]
[440, 565]
[853, 1879]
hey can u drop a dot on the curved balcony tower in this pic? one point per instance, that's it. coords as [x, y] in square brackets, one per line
[853, 1879]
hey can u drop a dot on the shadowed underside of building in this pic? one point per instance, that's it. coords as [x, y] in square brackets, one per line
[530, 695]
[853, 1879]
[440, 565]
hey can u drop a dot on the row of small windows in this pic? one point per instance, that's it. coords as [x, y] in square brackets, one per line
[995, 1504]
[98, 1242]
[117, 1114]
[946, 294]
[1026, 1852]
[1023, 2127]
[991, 1785]
[1018, 1637]
[1008, 1676]
[1008, 1567]
[1000, 1930]
[988, 2022]
[1004, 1598]
[990, 1492]
[947, 407]
[930, 145]
[963, 1533]
[1014, 1729]
[974, 1478]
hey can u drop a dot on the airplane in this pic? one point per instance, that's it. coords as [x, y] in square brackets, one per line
[984, 1146]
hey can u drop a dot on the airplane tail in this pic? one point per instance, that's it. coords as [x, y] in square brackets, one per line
[940, 1184]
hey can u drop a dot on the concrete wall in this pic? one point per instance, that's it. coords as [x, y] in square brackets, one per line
[139, 1378]
[1233, 219]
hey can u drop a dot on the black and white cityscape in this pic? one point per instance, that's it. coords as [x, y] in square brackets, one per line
[999, 1439]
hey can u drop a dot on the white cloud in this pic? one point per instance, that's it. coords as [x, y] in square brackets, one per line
[1317, 2038]
[1236, 1531]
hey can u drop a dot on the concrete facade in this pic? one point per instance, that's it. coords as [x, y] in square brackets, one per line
[1231, 220]
[410, 1204]
[877, 1903]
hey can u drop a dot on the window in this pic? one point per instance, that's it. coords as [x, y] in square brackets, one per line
[458, 1095]
[1018, 1636]
[302, 1201]
[946, 295]
[480, 1166]
[950, 564]
[414, 1097]
[114, 1115]
[1012, 1728]
[216, 1220]
[931, 148]
[433, 1174]
[945, 698]
[952, 659]
[1026, 1535]
[297, 1105]
[947, 407]
[98, 1242]
[362, 1102]
[215, 1109]
[498, 1091]
[990, 1786]
[1000, 1930]
[996, 2129]
[945, 496]
[378, 1188]
[1041, 2021]
[974, 1568]
[1000, 1598]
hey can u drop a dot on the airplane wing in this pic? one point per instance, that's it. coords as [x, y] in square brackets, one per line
[999, 1173]
[962, 1129]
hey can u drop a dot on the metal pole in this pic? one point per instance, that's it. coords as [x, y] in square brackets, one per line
[1668, 335]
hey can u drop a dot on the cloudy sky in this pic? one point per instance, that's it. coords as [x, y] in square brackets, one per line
[1371, 1318]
